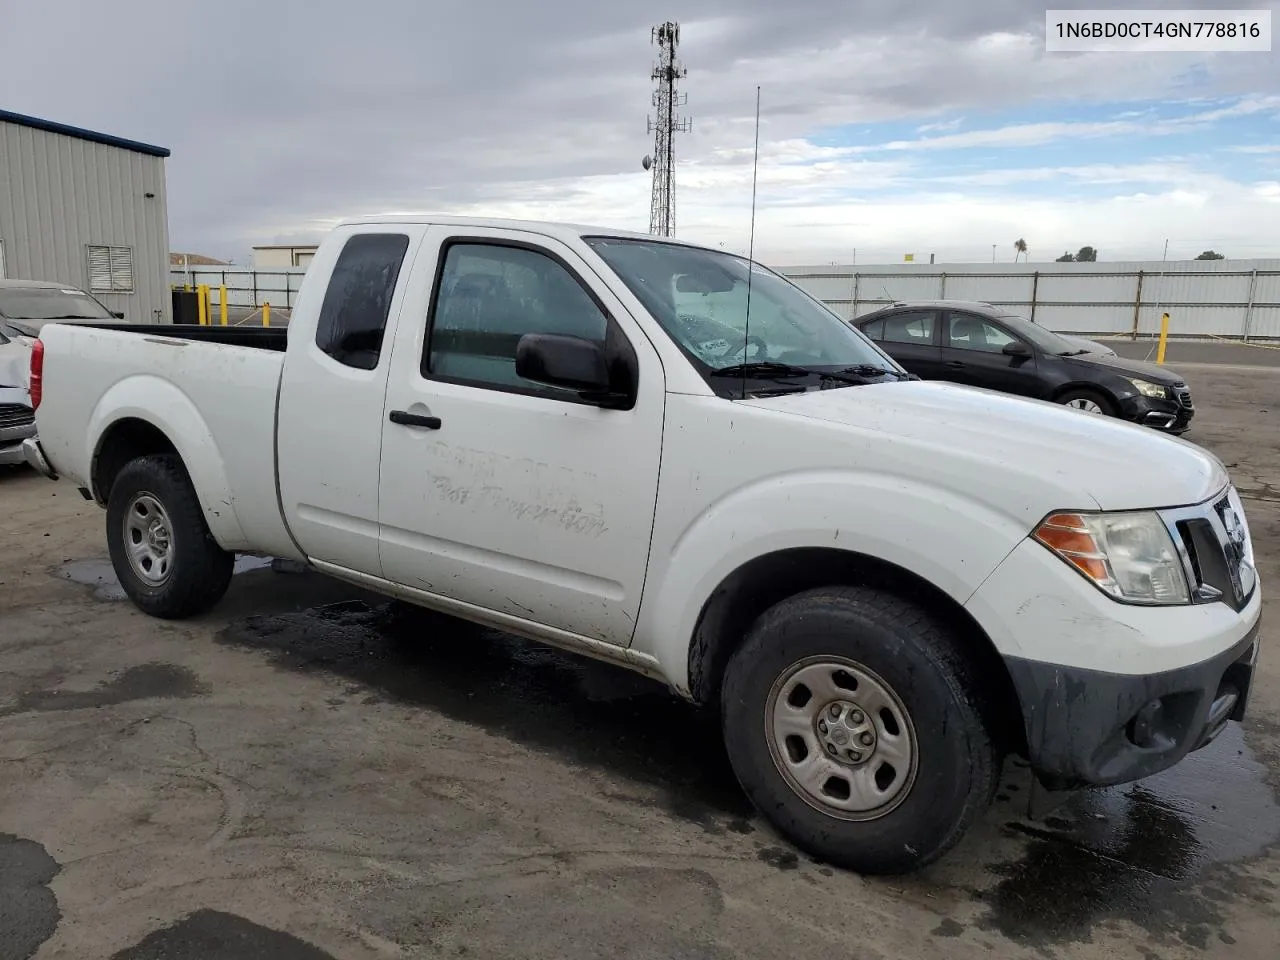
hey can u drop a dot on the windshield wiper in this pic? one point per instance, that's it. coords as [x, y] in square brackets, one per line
[769, 369]
[761, 368]
[871, 370]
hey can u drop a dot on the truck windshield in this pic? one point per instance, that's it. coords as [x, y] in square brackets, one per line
[700, 297]
[50, 303]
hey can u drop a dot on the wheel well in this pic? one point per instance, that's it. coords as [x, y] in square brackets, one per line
[756, 586]
[1085, 387]
[125, 440]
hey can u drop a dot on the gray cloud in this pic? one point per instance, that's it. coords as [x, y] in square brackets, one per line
[282, 114]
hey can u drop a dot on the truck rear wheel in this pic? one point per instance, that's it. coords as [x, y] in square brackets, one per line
[856, 727]
[167, 562]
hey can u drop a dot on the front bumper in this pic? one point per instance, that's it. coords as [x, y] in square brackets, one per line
[1112, 692]
[1090, 728]
[1168, 416]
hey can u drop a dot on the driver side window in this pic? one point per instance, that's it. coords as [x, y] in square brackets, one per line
[969, 332]
[488, 296]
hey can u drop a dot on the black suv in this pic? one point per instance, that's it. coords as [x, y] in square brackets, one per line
[984, 346]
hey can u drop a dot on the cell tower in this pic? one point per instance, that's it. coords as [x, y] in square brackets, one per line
[667, 100]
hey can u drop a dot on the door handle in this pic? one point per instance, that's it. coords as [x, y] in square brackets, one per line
[407, 419]
[956, 363]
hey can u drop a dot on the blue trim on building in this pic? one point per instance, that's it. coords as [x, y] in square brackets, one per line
[50, 127]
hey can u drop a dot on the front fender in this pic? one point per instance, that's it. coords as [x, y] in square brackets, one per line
[951, 541]
[160, 403]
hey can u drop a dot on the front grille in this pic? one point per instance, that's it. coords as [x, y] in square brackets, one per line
[1216, 552]
[15, 415]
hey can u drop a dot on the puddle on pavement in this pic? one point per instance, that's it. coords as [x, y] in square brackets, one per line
[29, 913]
[213, 935]
[101, 575]
[590, 713]
[98, 574]
[147, 681]
[1163, 854]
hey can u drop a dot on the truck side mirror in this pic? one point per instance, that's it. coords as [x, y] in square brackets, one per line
[603, 374]
[560, 361]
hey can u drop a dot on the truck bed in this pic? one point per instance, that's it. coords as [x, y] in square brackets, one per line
[261, 338]
[210, 390]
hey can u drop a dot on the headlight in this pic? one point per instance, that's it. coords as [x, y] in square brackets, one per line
[1129, 556]
[1149, 389]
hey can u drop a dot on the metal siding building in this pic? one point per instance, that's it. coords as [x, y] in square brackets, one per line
[278, 256]
[88, 210]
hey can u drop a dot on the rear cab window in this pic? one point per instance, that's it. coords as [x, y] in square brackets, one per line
[353, 317]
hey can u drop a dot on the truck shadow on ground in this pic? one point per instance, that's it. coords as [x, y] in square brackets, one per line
[1168, 855]
[592, 714]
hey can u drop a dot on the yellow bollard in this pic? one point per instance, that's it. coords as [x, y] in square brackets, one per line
[222, 304]
[202, 298]
[1164, 338]
[266, 314]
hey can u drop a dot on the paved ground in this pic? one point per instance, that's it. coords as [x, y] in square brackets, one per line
[1179, 352]
[308, 773]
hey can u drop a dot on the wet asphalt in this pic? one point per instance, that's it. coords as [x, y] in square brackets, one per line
[312, 771]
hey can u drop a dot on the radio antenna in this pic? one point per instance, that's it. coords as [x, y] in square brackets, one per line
[751, 244]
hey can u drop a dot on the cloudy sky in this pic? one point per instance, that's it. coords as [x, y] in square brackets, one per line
[936, 126]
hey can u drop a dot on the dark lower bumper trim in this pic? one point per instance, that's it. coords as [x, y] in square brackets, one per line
[1090, 728]
[1165, 415]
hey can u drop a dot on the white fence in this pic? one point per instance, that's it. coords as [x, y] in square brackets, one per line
[1235, 299]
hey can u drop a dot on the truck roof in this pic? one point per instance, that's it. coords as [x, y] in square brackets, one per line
[558, 230]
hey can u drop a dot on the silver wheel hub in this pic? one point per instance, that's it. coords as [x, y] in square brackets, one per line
[846, 732]
[841, 738]
[148, 539]
[1085, 404]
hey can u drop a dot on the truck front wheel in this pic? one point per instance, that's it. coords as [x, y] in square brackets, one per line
[167, 562]
[856, 726]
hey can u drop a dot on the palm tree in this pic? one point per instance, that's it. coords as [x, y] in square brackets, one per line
[1019, 246]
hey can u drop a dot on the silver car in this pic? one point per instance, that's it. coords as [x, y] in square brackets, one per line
[17, 419]
[25, 307]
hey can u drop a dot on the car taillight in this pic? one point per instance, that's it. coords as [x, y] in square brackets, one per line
[37, 374]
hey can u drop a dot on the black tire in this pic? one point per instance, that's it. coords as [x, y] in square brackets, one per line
[1105, 404]
[198, 572]
[919, 661]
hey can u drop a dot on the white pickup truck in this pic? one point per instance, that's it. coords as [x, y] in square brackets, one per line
[659, 455]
